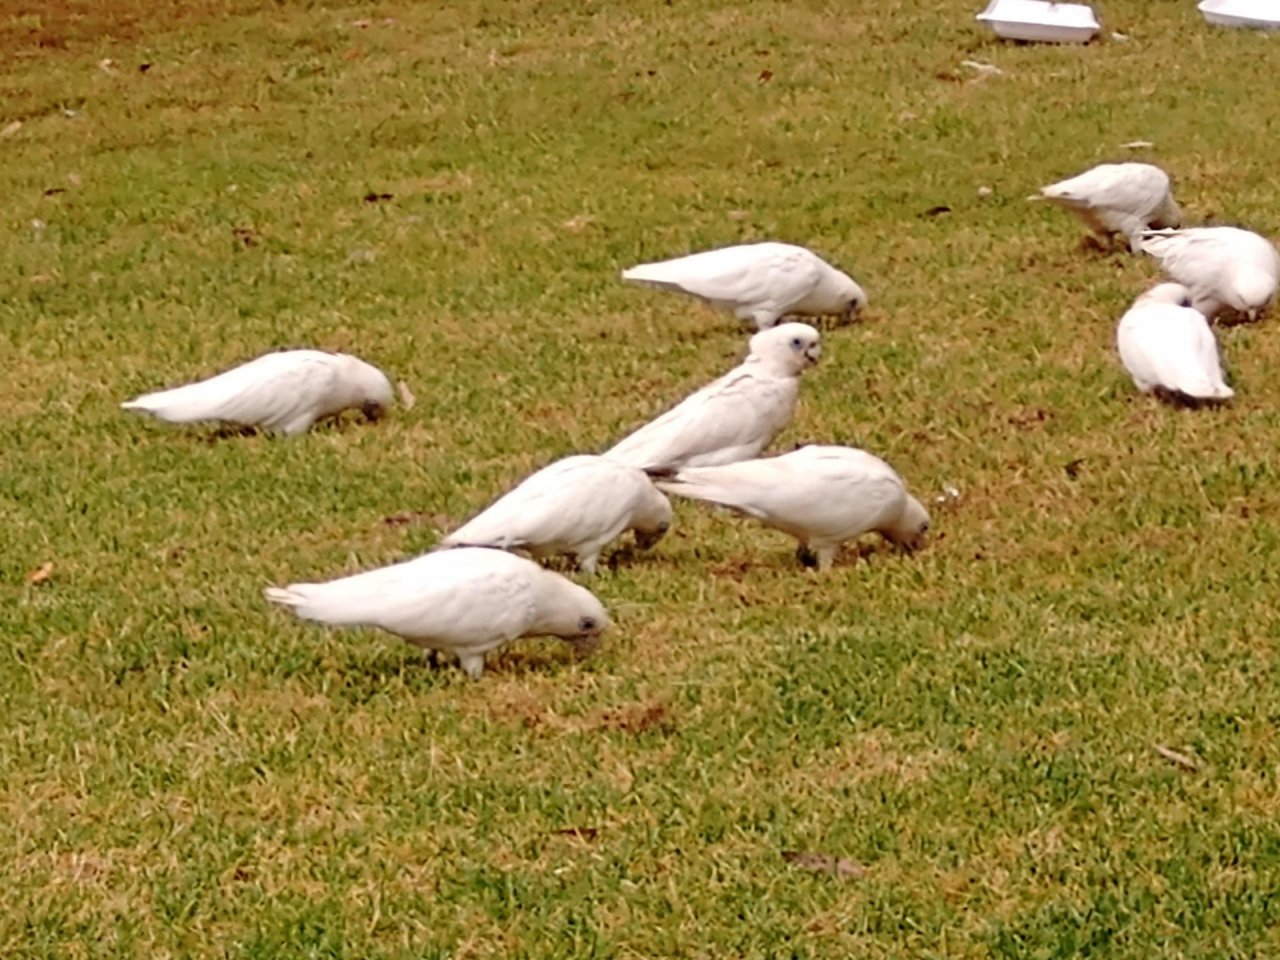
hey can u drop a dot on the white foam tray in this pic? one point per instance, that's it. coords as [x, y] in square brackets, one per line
[1258, 14]
[1041, 21]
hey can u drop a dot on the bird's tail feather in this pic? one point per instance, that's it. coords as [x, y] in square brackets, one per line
[195, 401]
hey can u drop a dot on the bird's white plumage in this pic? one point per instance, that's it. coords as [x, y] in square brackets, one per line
[761, 282]
[821, 495]
[574, 506]
[1226, 268]
[1166, 346]
[467, 601]
[285, 392]
[735, 417]
[1118, 198]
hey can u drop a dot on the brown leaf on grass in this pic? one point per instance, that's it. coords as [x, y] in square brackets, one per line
[406, 395]
[578, 833]
[937, 211]
[144, 67]
[404, 518]
[839, 867]
[578, 223]
[765, 76]
[1180, 760]
[41, 573]
[1029, 417]
[638, 718]
[54, 191]
[1073, 467]
[374, 197]
[246, 235]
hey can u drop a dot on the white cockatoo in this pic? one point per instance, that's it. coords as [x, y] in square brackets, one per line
[1118, 198]
[735, 417]
[285, 392]
[761, 282]
[821, 495]
[1168, 347]
[1225, 268]
[467, 602]
[574, 506]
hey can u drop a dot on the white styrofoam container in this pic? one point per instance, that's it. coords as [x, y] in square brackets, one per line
[1259, 14]
[1042, 21]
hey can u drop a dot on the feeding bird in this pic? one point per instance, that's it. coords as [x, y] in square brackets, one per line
[467, 602]
[574, 506]
[734, 417]
[821, 495]
[285, 392]
[1168, 348]
[1225, 268]
[761, 282]
[1118, 198]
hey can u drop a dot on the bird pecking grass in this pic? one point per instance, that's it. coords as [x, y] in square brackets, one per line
[449, 190]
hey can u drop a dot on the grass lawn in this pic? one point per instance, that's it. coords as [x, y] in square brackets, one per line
[962, 742]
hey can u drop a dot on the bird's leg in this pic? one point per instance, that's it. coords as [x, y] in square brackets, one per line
[587, 562]
[472, 664]
[827, 557]
[431, 658]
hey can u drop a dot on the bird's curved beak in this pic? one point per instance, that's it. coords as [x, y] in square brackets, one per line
[813, 353]
[373, 410]
[648, 539]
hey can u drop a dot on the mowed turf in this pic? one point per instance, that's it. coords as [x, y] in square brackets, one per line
[966, 736]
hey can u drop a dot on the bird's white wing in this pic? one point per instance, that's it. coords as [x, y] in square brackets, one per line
[1194, 257]
[280, 391]
[1136, 191]
[771, 279]
[452, 596]
[576, 500]
[815, 489]
[732, 419]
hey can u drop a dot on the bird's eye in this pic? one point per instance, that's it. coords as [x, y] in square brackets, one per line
[797, 343]
[1184, 302]
[587, 624]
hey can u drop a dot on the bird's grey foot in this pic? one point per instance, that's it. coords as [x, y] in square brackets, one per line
[472, 664]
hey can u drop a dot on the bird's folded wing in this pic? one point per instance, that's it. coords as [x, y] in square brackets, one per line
[414, 599]
[731, 412]
[737, 275]
[555, 505]
[272, 391]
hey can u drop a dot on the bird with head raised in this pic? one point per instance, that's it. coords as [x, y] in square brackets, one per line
[734, 417]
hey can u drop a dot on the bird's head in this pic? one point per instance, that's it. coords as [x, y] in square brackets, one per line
[653, 519]
[851, 295]
[911, 526]
[372, 389]
[571, 612]
[789, 347]
[1252, 291]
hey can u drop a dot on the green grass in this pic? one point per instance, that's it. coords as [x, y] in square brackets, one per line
[188, 773]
